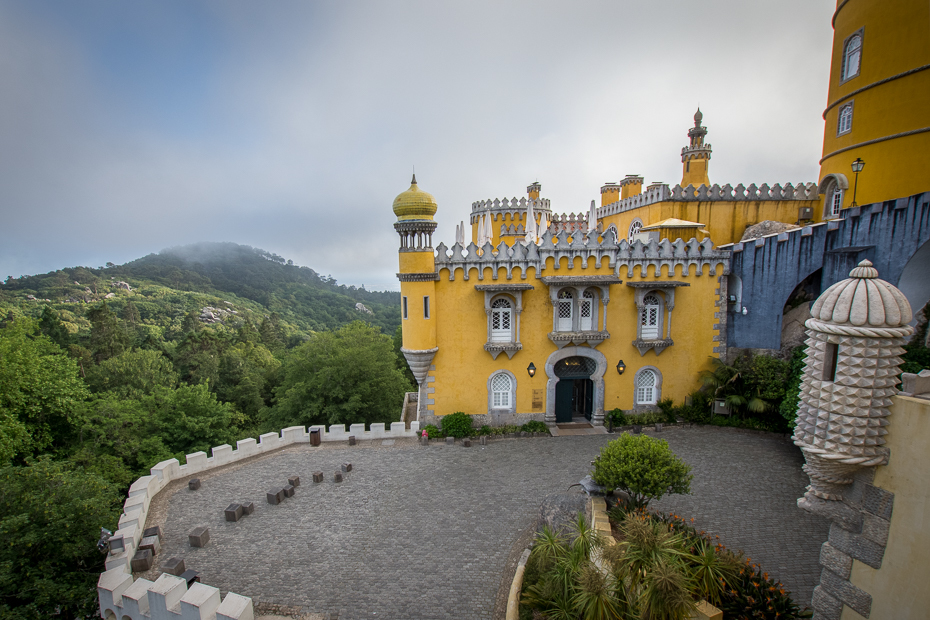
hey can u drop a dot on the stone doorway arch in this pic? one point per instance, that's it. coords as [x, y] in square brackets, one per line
[597, 378]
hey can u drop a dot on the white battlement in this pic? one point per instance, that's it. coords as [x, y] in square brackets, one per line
[515, 207]
[168, 597]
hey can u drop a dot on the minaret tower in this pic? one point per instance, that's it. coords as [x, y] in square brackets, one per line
[696, 156]
[415, 209]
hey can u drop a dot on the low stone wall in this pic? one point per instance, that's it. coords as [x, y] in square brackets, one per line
[168, 597]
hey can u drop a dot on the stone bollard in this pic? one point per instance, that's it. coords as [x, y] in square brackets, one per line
[288, 490]
[450, 441]
[153, 543]
[347, 467]
[337, 477]
[199, 537]
[483, 440]
[151, 531]
[318, 476]
[141, 561]
[233, 512]
[193, 484]
[275, 496]
[466, 442]
[173, 566]
[351, 440]
[294, 480]
[248, 508]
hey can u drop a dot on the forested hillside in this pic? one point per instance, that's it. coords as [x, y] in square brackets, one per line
[105, 372]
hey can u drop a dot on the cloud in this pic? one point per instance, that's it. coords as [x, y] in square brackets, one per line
[292, 126]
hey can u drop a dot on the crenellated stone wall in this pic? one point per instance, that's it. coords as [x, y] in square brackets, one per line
[514, 207]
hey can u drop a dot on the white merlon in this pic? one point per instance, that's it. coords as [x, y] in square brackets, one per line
[168, 598]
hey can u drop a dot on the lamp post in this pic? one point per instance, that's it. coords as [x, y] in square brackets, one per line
[857, 167]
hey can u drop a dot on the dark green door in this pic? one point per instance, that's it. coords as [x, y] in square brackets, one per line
[564, 395]
[584, 398]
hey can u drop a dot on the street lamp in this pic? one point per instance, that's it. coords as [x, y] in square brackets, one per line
[857, 167]
[531, 369]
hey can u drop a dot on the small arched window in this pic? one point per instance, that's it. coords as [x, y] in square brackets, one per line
[844, 122]
[649, 317]
[586, 313]
[852, 53]
[501, 391]
[635, 227]
[834, 200]
[565, 311]
[501, 320]
[646, 384]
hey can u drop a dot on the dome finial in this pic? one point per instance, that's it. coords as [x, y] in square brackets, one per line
[698, 117]
[414, 180]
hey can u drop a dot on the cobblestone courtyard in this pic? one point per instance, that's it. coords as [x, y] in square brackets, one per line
[426, 532]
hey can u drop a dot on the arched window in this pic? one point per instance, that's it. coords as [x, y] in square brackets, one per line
[834, 201]
[650, 317]
[844, 122]
[852, 52]
[587, 315]
[647, 387]
[501, 320]
[635, 227]
[565, 310]
[501, 391]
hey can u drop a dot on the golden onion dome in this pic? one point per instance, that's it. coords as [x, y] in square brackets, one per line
[414, 204]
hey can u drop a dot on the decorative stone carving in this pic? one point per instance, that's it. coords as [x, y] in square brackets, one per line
[592, 338]
[419, 362]
[855, 337]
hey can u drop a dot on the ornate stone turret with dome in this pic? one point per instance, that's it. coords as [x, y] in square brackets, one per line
[855, 339]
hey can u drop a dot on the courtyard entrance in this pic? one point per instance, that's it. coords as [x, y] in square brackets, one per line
[574, 393]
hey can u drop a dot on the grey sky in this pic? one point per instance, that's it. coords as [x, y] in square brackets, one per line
[126, 128]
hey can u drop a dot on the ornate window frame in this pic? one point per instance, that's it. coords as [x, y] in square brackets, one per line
[831, 184]
[511, 407]
[635, 226]
[657, 389]
[514, 294]
[578, 286]
[845, 76]
[844, 118]
[665, 291]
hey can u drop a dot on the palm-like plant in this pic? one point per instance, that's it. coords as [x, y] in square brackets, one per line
[712, 570]
[725, 382]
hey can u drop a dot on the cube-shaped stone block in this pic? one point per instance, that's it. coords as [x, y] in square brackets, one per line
[466, 442]
[233, 512]
[347, 467]
[337, 477]
[151, 542]
[450, 441]
[294, 480]
[199, 537]
[288, 490]
[141, 561]
[190, 576]
[173, 566]
[248, 508]
[352, 441]
[318, 476]
[275, 496]
[151, 531]
[193, 484]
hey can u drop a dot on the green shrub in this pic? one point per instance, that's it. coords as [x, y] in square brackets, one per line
[457, 425]
[504, 430]
[644, 467]
[432, 431]
[535, 426]
[667, 409]
[485, 430]
[617, 417]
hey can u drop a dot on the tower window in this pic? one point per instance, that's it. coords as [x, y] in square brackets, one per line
[426, 307]
[835, 201]
[831, 356]
[404, 304]
[844, 122]
[852, 54]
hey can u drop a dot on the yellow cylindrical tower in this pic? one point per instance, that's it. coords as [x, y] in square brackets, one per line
[632, 185]
[610, 193]
[877, 111]
[415, 209]
[695, 157]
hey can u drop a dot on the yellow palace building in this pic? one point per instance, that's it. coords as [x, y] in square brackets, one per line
[541, 316]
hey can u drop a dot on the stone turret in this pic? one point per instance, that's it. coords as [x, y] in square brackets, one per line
[855, 339]
[695, 157]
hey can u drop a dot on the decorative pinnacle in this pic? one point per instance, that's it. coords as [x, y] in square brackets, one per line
[698, 117]
[864, 270]
[414, 180]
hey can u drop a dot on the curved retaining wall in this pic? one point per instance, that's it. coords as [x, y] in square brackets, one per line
[168, 597]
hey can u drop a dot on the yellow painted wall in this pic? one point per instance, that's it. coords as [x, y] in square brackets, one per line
[419, 333]
[726, 221]
[694, 172]
[895, 39]
[899, 589]
[463, 366]
[518, 219]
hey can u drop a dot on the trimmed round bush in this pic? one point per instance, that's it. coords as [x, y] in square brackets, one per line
[457, 425]
[644, 467]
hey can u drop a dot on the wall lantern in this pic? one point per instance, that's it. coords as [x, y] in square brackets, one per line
[621, 367]
[531, 369]
[857, 167]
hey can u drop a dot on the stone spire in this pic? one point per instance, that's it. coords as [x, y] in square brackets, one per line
[855, 337]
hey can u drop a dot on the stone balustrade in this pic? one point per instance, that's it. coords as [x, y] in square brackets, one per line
[168, 597]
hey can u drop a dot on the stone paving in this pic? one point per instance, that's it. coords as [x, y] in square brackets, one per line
[426, 532]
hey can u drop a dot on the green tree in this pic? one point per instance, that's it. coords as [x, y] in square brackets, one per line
[347, 376]
[190, 418]
[39, 388]
[108, 337]
[50, 324]
[643, 467]
[245, 371]
[132, 374]
[50, 520]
